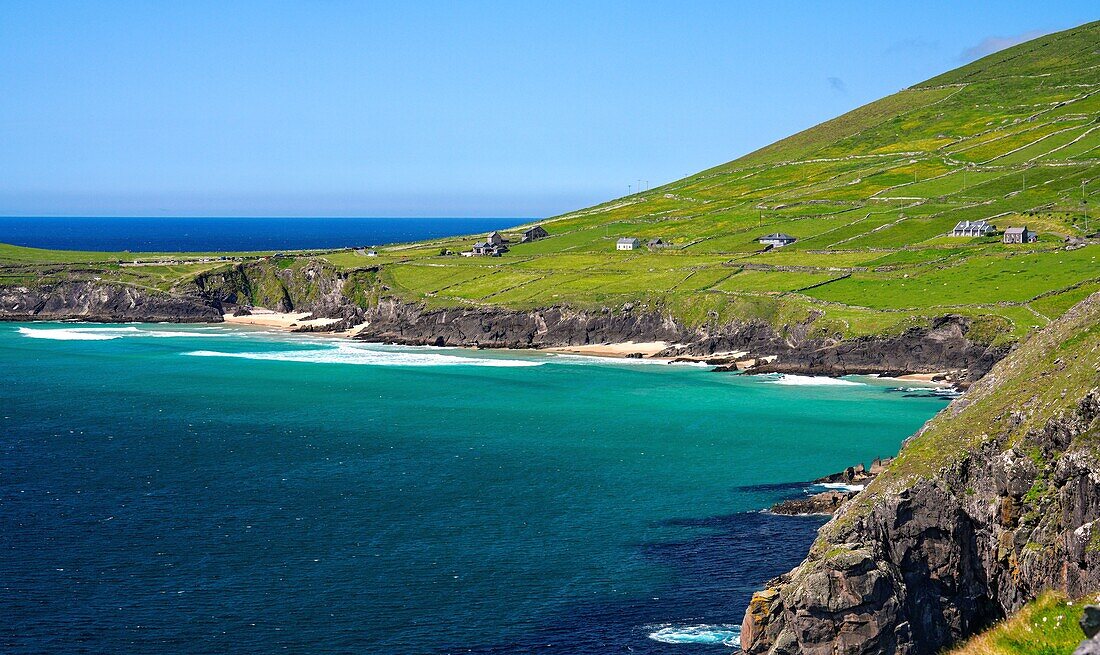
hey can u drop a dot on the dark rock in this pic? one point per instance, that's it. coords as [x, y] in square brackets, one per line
[826, 502]
[103, 302]
[1090, 621]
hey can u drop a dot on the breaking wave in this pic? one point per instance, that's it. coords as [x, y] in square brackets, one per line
[727, 635]
[100, 333]
[807, 380]
[349, 354]
[838, 486]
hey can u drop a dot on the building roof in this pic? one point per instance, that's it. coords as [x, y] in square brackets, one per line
[532, 229]
[479, 244]
[778, 236]
[627, 240]
[962, 225]
[1016, 230]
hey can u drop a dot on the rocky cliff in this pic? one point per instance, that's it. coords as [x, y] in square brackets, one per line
[359, 298]
[994, 501]
[942, 345]
[90, 300]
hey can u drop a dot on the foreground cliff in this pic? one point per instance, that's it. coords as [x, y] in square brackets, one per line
[996, 500]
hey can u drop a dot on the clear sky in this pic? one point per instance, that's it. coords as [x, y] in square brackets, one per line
[329, 108]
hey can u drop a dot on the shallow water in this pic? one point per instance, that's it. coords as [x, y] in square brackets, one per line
[208, 489]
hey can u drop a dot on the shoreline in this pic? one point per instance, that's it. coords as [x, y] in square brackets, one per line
[649, 351]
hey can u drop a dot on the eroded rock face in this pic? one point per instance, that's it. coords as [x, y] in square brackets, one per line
[942, 346]
[93, 301]
[932, 564]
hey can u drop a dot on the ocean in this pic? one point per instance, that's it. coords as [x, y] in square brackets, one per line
[216, 489]
[232, 234]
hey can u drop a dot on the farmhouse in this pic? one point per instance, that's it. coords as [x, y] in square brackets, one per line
[1019, 235]
[972, 229]
[482, 249]
[494, 239]
[628, 243]
[534, 234]
[777, 240]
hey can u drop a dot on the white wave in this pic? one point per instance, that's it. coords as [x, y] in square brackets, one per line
[839, 486]
[349, 354]
[808, 380]
[77, 334]
[100, 333]
[727, 635]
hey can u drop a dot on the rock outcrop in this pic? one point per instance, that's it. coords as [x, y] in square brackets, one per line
[1090, 625]
[851, 481]
[96, 301]
[996, 500]
[941, 346]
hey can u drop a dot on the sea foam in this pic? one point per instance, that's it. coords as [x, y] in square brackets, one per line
[350, 354]
[807, 380]
[100, 333]
[838, 486]
[727, 635]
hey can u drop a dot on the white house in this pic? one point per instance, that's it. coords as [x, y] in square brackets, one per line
[972, 229]
[628, 243]
[777, 240]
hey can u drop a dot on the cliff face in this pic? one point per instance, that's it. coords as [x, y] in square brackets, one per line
[996, 500]
[942, 345]
[95, 301]
[359, 298]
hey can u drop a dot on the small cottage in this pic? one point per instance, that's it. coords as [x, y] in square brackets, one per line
[777, 240]
[972, 229]
[1019, 235]
[534, 234]
[494, 239]
[482, 249]
[628, 243]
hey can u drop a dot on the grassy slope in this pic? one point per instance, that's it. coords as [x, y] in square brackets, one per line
[1014, 137]
[1045, 626]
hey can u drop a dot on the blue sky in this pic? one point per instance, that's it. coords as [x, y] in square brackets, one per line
[332, 108]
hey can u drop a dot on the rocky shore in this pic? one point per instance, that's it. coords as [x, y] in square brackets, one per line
[358, 300]
[845, 485]
[996, 500]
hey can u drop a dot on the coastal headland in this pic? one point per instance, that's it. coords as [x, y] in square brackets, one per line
[942, 231]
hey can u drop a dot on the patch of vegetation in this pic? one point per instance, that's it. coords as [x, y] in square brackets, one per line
[1046, 626]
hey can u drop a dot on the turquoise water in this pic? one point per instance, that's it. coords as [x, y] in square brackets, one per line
[207, 489]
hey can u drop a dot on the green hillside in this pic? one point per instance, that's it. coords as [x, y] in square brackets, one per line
[1013, 138]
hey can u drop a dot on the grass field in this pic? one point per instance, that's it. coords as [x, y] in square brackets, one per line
[1013, 138]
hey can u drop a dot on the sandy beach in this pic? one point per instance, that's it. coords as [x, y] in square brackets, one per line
[919, 377]
[281, 320]
[646, 348]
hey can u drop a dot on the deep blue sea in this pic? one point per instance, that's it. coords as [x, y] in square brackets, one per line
[232, 234]
[211, 489]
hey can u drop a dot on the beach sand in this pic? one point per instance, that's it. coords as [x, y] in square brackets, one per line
[646, 348]
[919, 377]
[280, 320]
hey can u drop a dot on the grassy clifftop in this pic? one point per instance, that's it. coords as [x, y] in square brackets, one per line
[1013, 138]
